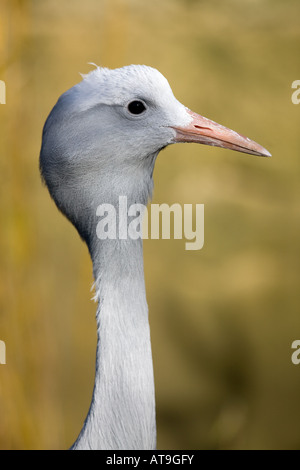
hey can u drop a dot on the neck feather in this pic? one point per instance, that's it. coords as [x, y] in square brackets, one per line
[122, 411]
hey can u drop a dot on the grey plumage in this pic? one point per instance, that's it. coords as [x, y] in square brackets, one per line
[94, 150]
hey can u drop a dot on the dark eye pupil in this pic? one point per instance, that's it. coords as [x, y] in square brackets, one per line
[136, 107]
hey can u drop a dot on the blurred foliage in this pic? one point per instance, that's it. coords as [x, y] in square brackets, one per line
[222, 319]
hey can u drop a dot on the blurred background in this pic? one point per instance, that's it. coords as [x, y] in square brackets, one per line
[223, 318]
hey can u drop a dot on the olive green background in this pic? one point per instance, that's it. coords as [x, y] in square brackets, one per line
[223, 318]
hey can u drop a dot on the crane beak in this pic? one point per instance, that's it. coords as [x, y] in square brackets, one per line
[203, 131]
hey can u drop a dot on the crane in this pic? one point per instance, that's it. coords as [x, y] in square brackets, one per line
[101, 141]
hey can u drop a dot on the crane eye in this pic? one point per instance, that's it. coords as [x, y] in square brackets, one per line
[136, 107]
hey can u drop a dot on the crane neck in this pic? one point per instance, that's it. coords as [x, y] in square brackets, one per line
[122, 411]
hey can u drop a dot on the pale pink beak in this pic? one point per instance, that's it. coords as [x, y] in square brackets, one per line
[203, 131]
